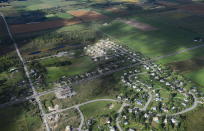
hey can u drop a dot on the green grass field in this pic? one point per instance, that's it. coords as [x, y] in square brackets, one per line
[194, 121]
[79, 65]
[99, 108]
[59, 16]
[100, 112]
[152, 43]
[196, 76]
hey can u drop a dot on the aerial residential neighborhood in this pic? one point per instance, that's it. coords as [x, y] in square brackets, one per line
[101, 65]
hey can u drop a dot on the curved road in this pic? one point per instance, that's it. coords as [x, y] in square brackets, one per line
[195, 104]
[119, 114]
[78, 105]
[149, 92]
[82, 119]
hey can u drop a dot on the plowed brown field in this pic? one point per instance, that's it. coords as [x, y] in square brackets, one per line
[195, 8]
[33, 27]
[87, 15]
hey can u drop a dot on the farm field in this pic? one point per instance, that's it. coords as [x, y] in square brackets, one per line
[194, 8]
[25, 28]
[86, 15]
[154, 43]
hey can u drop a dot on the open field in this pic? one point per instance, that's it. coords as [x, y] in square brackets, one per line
[86, 15]
[168, 3]
[40, 4]
[139, 25]
[194, 120]
[78, 66]
[188, 65]
[196, 76]
[100, 113]
[24, 117]
[158, 42]
[25, 28]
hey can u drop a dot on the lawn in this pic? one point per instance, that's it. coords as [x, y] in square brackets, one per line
[24, 117]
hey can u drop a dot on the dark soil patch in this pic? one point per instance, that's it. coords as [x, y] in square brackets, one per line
[188, 65]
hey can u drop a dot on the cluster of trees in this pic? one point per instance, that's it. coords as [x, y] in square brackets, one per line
[53, 10]
[39, 72]
[8, 62]
[26, 17]
[61, 63]
[10, 0]
[53, 39]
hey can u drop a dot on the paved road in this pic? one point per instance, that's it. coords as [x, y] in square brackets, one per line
[195, 104]
[27, 74]
[148, 102]
[119, 115]
[82, 119]
[149, 92]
